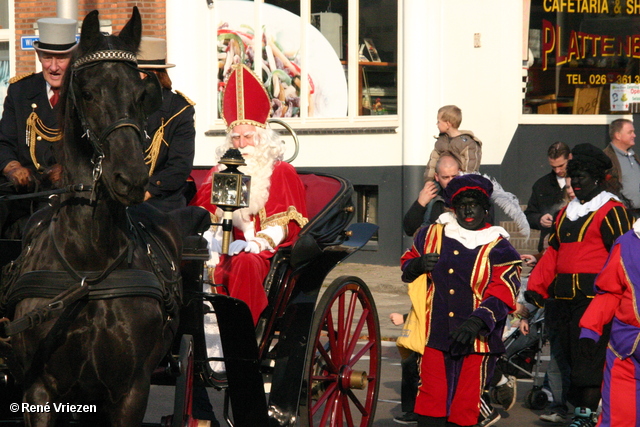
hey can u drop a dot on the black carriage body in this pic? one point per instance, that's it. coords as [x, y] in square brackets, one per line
[277, 353]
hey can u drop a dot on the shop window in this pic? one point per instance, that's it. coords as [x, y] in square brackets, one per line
[583, 57]
[325, 91]
[367, 205]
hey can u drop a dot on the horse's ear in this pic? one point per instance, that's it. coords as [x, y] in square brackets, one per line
[90, 32]
[132, 32]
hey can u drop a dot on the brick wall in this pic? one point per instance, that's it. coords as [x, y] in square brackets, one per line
[29, 11]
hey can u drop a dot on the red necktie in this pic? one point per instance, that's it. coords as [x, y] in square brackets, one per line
[54, 97]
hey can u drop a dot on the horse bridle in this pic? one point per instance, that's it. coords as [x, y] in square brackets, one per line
[87, 61]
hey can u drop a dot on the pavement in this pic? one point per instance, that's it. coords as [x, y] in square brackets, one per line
[389, 292]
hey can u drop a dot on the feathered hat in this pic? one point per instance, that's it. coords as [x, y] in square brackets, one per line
[467, 182]
[508, 202]
[245, 100]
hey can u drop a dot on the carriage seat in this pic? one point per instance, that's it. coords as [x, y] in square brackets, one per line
[330, 210]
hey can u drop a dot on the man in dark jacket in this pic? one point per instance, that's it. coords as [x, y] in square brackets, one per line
[171, 144]
[29, 124]
[547, 196]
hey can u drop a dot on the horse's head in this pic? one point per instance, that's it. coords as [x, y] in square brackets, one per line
[107, 103]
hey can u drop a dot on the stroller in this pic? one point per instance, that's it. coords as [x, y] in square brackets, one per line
[522, 358]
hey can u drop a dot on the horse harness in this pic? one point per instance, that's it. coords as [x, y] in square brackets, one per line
[69, 289]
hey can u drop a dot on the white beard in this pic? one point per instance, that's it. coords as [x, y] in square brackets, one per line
[260, 169]
[261, 160]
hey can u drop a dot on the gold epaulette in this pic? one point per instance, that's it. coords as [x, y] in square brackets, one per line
[186, 98]
[19, 77]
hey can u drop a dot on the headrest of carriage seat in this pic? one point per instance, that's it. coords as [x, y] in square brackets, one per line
[191, 219]
[194, 248]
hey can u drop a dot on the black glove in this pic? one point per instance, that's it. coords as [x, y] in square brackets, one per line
[532, 297]
[587, 348]
[429, 261]
[465, 335]
[418, 266]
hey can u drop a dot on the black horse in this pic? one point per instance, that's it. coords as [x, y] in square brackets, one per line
[96, 290]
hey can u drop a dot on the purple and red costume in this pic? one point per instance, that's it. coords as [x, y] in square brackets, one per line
[473, 277]
[617, 288]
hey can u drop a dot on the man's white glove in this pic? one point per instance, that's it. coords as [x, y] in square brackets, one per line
[251, 246]
[237, 246]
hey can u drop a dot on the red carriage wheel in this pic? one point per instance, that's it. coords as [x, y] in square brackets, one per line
[343, 375]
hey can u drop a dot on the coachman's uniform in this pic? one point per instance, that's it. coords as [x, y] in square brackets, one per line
[28, 134]
[578, 249]
[170, 150]
[478, 273]
[617, 289]
[29, 125]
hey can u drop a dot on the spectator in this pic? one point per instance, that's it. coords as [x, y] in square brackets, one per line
[430, 204]
[29, 125]
[461, 144]
[616, 290]
[472, 275]
[625, 172]
[410, 379]
[171, 146]
[547, 195]
[277, 209]
[584, 232]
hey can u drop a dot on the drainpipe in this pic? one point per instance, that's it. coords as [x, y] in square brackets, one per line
[67, 9]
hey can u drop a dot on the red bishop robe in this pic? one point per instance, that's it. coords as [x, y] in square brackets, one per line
[243, 274]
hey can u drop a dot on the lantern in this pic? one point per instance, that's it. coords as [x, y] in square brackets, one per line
[230, 191]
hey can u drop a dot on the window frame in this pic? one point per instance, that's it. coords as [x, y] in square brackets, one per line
[352, 118]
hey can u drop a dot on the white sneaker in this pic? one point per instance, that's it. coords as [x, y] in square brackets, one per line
[554, 417]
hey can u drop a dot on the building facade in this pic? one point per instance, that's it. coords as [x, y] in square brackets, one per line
[361, 81]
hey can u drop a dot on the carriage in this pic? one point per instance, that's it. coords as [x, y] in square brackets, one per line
[318, 359]
[310, 361]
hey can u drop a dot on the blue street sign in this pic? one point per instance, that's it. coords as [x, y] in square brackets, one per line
[26, 42]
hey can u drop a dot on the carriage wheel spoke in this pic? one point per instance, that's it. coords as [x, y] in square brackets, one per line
[356, 334]
[356, 357]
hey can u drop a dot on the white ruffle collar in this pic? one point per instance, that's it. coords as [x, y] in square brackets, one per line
[469, 238]
[636, 227]
[576, 210]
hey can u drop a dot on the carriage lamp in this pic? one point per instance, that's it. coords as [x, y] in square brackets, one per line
[230, 191]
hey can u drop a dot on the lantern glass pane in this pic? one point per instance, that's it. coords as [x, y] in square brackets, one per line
[246, 189]
[225, 189]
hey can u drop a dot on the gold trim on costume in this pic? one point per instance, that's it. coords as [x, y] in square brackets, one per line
[282, 218]
[36, 128]
[268, 239]
[19, 77]
[239, 94]
[153, 151]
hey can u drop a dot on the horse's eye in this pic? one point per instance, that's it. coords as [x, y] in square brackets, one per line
[86, 95]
